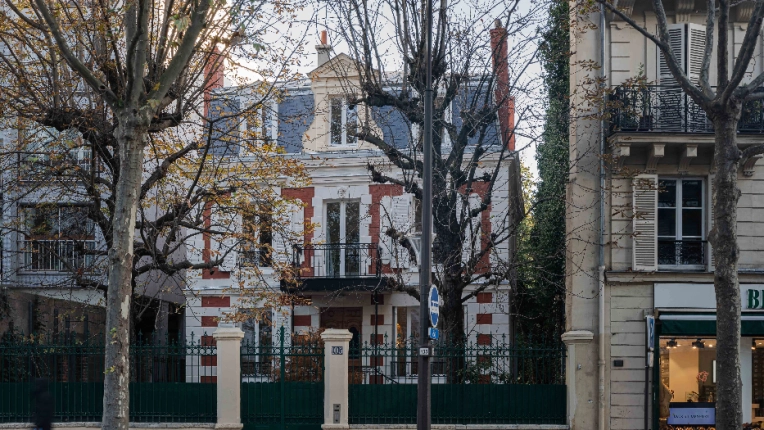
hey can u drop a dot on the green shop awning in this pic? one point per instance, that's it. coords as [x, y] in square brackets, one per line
[704, 324]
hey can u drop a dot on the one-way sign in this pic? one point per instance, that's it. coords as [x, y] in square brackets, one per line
[434, 306]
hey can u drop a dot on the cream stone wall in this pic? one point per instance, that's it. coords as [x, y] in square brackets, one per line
[336, 77]
[626, 305]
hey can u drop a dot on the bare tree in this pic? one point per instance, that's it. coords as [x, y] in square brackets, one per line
[475, 163]
[125, 81]
[722, 101]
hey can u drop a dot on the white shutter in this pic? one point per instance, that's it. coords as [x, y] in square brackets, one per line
[385, 241]
[472, 231]
[696, 46]
[281, 241]
[403, 216]
[273, 120]
[711, 199]
[230, 242]
[645, 204]
[194, 246]
[445, 145]
[678, 47]
[217, 224]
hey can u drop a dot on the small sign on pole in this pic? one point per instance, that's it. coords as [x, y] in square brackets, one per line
[434, 333]
[434, 306]
[650, 320]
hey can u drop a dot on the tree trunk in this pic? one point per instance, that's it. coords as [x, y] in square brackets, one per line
[131, 135]
[451, 325]
[723, 237]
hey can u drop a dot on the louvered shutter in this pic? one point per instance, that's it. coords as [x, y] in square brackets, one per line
[678, 47]
[711, 199]
[402, 215]
[230, 242]
[472, 232]
[216, 240]
[194, 246]
[273, 121]
[445, 145]
[645, 206]
[385, 241]
[281, 242]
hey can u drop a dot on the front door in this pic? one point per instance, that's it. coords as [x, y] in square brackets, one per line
[346, 318]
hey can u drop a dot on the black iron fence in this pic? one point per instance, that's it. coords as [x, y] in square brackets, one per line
[666, 108]
[170, 380]
[488, 381]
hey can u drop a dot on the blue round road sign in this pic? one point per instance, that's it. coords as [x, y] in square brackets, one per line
[434, 306]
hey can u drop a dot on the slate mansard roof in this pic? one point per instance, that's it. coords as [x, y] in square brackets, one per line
[295, 112]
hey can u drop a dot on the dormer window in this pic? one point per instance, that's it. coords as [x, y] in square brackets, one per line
[343, 119]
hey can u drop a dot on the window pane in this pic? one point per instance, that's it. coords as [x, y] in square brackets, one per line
[692, 222]
[352, 124]
[666, 193]
[692, 194]
[333, 222]
[352, 222]
[667, 222]
[335, 126]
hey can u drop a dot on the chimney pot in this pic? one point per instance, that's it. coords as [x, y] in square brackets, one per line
[497, 23]
[323, 50]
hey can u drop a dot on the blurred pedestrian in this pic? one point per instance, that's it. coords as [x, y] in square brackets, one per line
[42, 405]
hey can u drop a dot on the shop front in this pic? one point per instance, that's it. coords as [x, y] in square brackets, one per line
[684, 372]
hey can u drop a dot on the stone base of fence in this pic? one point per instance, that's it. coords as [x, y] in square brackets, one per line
[460, 427]
[97, 425]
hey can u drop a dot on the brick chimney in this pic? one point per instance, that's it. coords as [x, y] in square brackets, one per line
[323, 50]
[213, 77]
[501, 94]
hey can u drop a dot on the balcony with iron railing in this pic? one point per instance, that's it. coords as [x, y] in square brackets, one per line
[667, 109]
[57, 255]
[682, 254]
[336, 266]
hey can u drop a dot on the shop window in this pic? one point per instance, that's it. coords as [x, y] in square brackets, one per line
[687, 379]
[680, 223]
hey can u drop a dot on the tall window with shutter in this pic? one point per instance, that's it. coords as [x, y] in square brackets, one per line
[645, 206]
[680, 223]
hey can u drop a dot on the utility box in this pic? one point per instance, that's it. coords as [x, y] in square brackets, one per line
[336, 410]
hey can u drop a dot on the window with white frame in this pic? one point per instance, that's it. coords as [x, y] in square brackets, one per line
[681, 215]
[258, 345]
[343, 122]
[262, 124]
[57, 238]
[258, 229]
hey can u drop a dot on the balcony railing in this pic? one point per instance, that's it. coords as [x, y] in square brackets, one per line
[337, 260]
[57, 255]
[688, 252]
[666, 108]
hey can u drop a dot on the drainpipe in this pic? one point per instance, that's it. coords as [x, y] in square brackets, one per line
[601, 277]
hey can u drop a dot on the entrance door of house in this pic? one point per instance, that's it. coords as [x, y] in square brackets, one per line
[350, 319]
[342, 237]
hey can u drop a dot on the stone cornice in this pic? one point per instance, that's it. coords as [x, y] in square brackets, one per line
[683, 277]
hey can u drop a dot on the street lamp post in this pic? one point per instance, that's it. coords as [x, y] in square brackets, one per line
[423, 387]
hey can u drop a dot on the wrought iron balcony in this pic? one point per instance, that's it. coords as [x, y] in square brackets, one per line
[667, 109]
[688, 252]
[334, 266]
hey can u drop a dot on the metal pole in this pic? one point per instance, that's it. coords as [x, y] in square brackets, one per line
[423, 388]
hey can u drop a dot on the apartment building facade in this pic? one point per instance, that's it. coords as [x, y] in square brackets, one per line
[639, 216]
[352, 275]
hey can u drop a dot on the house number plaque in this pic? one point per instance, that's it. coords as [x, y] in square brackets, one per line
[337, 350]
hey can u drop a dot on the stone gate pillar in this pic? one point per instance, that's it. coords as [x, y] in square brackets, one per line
[336, 344]
[228, 341]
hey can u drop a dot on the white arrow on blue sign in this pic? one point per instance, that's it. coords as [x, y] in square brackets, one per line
[434, 306]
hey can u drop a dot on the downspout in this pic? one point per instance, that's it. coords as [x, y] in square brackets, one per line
[601, 277]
